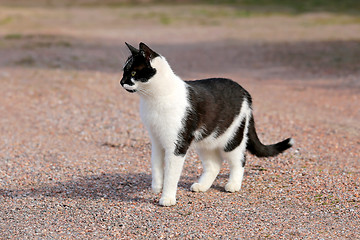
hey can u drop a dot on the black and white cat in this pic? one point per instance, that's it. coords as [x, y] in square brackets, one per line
[213, 115]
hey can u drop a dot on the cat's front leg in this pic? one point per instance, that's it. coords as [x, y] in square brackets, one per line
[157, 166]
[173, 168]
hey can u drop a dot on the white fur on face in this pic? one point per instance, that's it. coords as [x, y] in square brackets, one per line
[131, 87]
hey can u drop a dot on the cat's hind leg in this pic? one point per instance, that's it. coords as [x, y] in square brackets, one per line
[211, 161]
[236, 159]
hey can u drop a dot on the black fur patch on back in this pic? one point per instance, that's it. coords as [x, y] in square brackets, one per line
[186, 134]
[214, 104]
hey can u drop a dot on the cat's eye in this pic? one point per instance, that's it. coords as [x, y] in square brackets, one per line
[133, 73]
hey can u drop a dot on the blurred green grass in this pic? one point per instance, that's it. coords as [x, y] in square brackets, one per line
[297, 6]
[293, 6]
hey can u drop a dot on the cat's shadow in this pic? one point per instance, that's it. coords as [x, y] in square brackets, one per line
[218, 185]
[130, 187]
[119, 187]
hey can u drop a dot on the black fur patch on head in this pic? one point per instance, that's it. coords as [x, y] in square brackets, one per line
[128, 64]
[137, 66]
[132, 49]
[147, 52]
[214, 104]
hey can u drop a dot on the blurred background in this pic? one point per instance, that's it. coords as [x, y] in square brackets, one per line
[292, 39]
[298, 6]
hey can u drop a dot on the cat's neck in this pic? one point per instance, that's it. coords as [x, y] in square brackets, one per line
[164, 83]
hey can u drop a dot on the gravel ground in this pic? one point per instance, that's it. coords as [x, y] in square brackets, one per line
[74, 156]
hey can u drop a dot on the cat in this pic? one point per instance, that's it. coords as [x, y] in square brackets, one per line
[213, 115]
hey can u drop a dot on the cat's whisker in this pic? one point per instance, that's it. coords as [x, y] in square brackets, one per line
[145, 92]
[142, 91]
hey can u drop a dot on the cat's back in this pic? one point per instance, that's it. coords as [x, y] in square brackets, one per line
[220, 90]
[217, 107]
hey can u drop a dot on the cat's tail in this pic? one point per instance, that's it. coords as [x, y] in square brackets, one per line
[260, 150]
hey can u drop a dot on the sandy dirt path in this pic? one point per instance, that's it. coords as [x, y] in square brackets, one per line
[74, 156]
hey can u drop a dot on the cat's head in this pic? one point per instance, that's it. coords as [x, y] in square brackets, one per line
[138, 69]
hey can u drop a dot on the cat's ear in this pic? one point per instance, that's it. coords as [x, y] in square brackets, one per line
[147, 52]
[132, 49]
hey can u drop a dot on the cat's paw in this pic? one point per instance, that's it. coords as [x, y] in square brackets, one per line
[156, 189]
[156, 186]
[197, 187]
[167, 201]
[232, 187]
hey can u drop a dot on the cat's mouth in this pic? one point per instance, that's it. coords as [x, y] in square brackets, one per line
[130, 90]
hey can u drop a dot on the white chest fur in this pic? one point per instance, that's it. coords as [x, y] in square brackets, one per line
[162, 119]
[163, 110]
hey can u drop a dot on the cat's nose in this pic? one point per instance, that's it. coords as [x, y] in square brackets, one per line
[122, 81]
